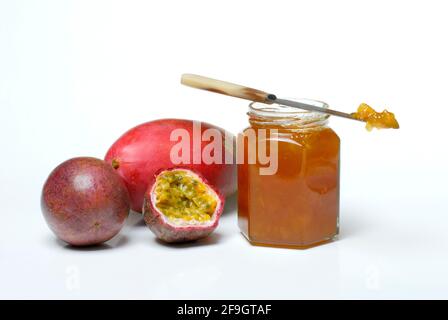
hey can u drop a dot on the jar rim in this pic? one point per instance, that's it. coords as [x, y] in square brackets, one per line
[281, 111]
[277, 114]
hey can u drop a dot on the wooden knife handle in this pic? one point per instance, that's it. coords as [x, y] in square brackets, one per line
[227, 88]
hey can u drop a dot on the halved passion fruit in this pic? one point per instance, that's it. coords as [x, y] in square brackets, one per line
[181, 206]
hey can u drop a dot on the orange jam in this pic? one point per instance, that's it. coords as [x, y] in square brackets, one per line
[374, 119]
[298, 205]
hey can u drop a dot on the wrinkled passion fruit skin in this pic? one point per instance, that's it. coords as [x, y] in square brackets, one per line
[145, 149]
[84, 201]
[172, 233]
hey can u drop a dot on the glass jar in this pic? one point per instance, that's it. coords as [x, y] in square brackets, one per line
[294, 202]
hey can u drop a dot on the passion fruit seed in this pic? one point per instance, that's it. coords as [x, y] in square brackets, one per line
[182, 196]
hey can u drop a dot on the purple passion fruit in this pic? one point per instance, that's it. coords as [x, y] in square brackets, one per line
[84, 201]
[180, 206]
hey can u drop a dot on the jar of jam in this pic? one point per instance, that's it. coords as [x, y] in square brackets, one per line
[295, 201]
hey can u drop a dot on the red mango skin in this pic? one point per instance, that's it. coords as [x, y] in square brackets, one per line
[84, 201]
[145, 149]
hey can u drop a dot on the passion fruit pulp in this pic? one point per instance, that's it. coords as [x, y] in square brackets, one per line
[181, 206]
[181, 197]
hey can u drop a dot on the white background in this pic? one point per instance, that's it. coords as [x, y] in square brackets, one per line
[74, 75]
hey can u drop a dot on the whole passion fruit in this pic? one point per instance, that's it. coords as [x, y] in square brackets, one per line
[84, 201]
[147, 148]
[180, 206]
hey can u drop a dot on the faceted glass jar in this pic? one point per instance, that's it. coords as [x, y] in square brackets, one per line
[296, 205]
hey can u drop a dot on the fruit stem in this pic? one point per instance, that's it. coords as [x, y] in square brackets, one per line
[115, 164]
